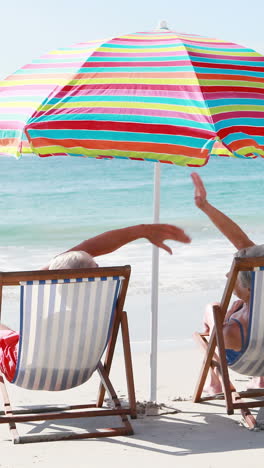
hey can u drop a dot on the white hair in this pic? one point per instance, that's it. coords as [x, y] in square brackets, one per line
[253, 251]
[73, 259]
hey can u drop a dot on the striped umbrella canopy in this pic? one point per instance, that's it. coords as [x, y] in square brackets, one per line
[156, 96]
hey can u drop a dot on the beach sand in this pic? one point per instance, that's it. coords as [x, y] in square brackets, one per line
[181, 433]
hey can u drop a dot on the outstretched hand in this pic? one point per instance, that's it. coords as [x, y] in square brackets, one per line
[158, 233]
[110, 241]
[199, 192]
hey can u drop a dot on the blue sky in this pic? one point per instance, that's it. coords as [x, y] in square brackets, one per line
[31, 27]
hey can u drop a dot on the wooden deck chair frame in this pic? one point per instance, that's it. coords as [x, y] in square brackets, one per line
[233, 399]
[12, 417]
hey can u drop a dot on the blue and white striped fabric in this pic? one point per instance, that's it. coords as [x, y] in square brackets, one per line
[64, 329]
[251, 362]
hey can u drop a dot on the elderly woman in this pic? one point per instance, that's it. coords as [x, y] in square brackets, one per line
[235, 327]
[81, 256]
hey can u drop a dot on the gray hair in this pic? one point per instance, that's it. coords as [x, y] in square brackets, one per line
[73, 259]
[254, 251]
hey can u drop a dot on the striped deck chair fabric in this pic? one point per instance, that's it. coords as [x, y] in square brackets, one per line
[251, 362]
[64, 330]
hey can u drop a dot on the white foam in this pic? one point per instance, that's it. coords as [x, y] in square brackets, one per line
[196, 267]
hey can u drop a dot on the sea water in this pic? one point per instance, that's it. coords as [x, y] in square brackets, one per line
[48, 205]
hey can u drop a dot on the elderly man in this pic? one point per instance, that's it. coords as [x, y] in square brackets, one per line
[81, 256]
[235, 327]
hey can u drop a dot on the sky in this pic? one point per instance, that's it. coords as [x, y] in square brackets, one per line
[30, 28]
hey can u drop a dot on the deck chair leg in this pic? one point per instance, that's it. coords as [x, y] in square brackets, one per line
[113, 396]
[108, 363]
[205, 368]
[8, 409]
[202, 340]
[128, 365]
[223, 361]
[249, 418]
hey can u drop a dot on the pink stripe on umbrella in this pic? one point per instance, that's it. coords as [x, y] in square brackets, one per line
[126, 111]
[14, 125]
[223, 95]
[110, 91]
[33, 66]
[172, 63]
[227, 57]
[34, 87]
[140, 54]
[239, 115]
[39, 76]
[139, 87]
[25, 111]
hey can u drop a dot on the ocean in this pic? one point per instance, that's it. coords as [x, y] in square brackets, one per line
[47, 205]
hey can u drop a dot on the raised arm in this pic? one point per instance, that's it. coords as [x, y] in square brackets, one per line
[230, 229]
[112, 240]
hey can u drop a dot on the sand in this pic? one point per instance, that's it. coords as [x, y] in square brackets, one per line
[176, 431]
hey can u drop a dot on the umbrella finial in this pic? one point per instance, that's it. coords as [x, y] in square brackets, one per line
[163, 25]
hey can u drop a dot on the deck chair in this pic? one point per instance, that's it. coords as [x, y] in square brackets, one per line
[251, 363]
[69, 319]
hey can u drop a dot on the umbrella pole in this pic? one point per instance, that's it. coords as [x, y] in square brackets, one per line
[154, 290]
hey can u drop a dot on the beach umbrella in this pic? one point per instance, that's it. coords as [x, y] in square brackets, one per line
[156, 96]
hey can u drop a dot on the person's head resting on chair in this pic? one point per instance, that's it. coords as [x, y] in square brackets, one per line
[72, 260]
[243, 282]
